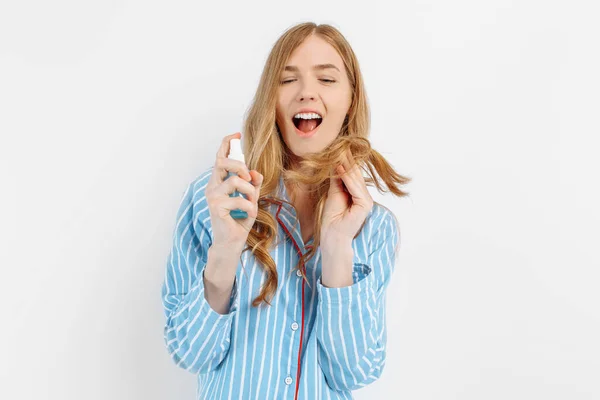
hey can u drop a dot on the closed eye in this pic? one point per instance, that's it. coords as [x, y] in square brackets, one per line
[323, 80]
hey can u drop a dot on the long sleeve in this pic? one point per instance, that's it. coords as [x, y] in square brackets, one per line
[351, 322]
[196, 336]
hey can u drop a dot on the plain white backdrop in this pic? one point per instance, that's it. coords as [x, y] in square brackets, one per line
[109, 109]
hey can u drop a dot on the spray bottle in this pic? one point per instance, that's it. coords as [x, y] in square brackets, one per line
[235, 152]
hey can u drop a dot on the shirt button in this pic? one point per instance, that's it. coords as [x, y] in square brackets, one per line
[288, 380]
[294, 326]
[298, 272]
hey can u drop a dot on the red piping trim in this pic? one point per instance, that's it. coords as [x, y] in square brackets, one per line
[303, 282]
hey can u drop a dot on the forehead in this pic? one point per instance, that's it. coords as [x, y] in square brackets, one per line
[315, 51]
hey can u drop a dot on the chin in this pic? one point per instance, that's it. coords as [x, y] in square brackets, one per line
[305, 149]
[303, 146]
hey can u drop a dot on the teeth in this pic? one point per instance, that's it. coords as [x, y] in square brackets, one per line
[308, 116]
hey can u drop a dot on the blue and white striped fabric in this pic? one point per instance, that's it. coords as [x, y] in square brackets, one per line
[254, 353]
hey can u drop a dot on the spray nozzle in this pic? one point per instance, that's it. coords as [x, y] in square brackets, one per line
[235, 150]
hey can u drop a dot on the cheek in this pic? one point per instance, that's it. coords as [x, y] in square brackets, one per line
[280, 115]
[338, 102]
[281, 107]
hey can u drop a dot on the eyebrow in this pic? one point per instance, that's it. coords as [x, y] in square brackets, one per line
[293, 68]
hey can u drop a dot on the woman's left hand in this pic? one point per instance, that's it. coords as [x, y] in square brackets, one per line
[347, 206]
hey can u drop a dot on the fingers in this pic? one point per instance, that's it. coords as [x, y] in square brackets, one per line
[337, 185]
[224, 164]
[348, 173]
[242, 179]
[224, 149]
[234, 183]
[354, 170]
[238, 202]
[352, 176]
[257, 180]
[250, 190]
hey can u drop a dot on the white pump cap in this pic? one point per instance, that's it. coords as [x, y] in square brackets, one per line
[235, 150]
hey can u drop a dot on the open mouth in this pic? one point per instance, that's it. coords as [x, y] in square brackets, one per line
[307, 125]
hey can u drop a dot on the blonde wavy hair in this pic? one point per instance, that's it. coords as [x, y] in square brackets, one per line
[266, 152]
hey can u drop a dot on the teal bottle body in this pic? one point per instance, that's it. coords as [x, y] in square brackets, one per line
[237, 214]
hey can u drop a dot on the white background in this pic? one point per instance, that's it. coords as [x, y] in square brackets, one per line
[108, 109]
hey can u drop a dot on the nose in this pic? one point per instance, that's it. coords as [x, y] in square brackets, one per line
[303, 96]
[306, 92]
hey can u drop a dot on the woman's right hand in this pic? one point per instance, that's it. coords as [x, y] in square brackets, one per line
[227, 231]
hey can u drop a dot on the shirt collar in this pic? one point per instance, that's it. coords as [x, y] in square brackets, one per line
[286, 215]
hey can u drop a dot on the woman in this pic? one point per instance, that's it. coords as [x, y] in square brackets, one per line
[236, 314]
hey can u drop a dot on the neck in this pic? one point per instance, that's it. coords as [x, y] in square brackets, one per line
[301, 195]
[298, 192]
